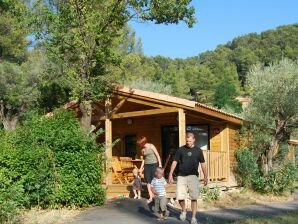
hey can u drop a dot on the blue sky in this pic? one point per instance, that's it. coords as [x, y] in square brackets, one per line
[219, 21]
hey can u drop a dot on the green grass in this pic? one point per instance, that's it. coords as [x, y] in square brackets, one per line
[289, 218]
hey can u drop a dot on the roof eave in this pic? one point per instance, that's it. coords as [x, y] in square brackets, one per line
[183, 103]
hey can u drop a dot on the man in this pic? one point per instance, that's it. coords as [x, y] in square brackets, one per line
[188, 157]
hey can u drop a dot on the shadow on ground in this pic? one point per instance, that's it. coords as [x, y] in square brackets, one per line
[130, 211]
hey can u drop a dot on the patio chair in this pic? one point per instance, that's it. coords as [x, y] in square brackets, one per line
[120, 175]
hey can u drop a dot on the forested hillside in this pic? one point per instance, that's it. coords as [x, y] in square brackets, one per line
[213, 77]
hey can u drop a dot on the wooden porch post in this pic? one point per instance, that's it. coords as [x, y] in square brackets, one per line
[108, 140]
[182, 126]
[226, 147]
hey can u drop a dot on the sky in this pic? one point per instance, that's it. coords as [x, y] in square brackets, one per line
[218, 21]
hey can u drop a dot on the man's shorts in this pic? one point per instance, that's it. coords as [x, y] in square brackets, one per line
[187, 185]
[160, 203]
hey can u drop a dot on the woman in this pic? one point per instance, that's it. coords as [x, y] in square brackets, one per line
[150, 163]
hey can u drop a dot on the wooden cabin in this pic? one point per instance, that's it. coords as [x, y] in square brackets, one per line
[164, 120]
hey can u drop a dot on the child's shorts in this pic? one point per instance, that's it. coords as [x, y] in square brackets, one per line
[160, 203]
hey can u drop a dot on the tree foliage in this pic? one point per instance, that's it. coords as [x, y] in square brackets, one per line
[20, 85]
[84, 35]
[148, 85]
[272, 117]
[18, 77]
[274, 105]
[205, 75]
[13, 42]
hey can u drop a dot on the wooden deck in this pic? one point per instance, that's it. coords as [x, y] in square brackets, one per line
[116, 190]
[125, 190]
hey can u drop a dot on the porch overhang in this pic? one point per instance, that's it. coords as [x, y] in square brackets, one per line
[171, 101]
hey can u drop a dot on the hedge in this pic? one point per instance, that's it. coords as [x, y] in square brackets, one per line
[52, 162]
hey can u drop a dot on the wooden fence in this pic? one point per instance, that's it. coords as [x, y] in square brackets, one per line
[217, 165]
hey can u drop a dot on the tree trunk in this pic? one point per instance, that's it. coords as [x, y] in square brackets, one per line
[85, 120]
[264, 164]
[267, 158]
[10, 123]
[272, 152]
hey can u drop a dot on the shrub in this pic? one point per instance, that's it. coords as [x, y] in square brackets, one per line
[246, 168]
[10, 202]
[54, 162]
[277, 182]
[209, 195]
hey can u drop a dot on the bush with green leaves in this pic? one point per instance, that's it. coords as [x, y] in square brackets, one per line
[209, 194]
[54, 162]
[277, 182]
[10, 203]
[246, 168]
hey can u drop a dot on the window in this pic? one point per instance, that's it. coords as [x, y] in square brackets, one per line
[130, 146]
[201, 134]
[170, 138]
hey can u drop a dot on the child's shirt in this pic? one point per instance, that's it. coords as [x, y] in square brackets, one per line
[159, 186]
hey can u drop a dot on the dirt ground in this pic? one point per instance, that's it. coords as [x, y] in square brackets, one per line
[237, 199]
[59, 216]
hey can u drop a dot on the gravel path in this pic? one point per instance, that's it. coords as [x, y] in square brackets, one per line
[129, 211]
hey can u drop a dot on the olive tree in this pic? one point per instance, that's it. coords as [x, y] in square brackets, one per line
[273, 109]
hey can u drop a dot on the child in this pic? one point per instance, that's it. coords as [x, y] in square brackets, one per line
[137, 184]
[158, 185]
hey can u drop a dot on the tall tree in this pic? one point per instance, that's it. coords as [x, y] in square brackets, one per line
[202, 82]
[19, 88]
[15, 85]
[83, 36]
[224, 97]
[273, 109]
[176, 79]
[13, 42]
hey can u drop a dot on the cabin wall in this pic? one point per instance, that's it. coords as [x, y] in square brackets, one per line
[234, 144]
[215, 137]
[141, 126]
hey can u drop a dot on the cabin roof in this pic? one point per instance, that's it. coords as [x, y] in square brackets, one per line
[171, 101]
[162, 98]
